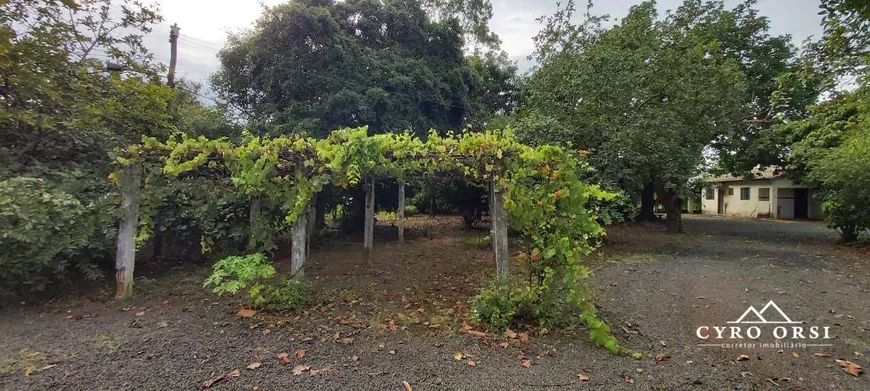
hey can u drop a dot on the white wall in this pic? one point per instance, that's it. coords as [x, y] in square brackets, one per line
[780, 205]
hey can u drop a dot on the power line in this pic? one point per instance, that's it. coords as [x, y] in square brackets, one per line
[198, 43]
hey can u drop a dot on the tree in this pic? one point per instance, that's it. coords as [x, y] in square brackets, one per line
[830, 147]
[644, 97]
[833, 155]
[318, 66]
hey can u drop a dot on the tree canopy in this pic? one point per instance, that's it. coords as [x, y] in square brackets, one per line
[317, 66]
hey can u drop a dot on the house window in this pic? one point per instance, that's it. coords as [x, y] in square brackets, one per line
[764, 194]
[730, 191]
[744, 193]
[709, 193]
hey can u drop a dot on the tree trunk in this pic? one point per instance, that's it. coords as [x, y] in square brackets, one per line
[647, 203]
[125, 257]
[499, 235]
[298, 249]
[369, 234]
[673, 207]
[401, 211]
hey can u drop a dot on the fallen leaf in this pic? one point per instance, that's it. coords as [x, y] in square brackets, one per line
[354, 358]
[142, 313]
[235, 373]
[510, 334]
[524, 336]
[392, 351]
[663, 343]
[742, 357]
[796, 354]
[299, 353]
[458, 356]
[821, 355]
[526, 363]
[162, 324]
[246, 313]
[745, 374]
[407, 386]
[583, 377]
[299, 369]
[322, 371]
[437, 344]
[219, 379]
[504, 345]
[628, 379]
[283, 357]
[662, 357]
[850, 367]
[254, 365]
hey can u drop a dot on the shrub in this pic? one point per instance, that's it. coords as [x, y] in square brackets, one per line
[45, 234]
[251, 276]
[245, 274]
[289, 295]
[411, 210]
[493, 309]
[497, 308]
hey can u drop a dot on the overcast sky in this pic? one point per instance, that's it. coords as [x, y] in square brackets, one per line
[204, 25]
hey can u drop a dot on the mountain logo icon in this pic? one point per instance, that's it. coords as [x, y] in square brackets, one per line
[753, 315]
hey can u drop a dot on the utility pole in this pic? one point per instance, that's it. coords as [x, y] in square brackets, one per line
[173, 54]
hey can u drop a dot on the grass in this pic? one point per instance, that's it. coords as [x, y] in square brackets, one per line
[477, 242]
[25, 360]
[110, 343]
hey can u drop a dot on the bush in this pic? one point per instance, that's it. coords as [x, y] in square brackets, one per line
[288, 295]
[493, 309]
[252, 277]
[45, 234]
[618, 209]
[411, 210]
[245, 274]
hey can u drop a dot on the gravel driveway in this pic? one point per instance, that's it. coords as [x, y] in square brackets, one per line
[654, 289]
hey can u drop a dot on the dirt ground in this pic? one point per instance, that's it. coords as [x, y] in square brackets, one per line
[400, 320]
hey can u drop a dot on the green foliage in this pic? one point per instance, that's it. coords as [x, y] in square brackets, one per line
[492, 307]
[614, 210]
[411, 210]
[46, 233]
[832, 155]
[288, 295]
[242, 274]
[250, 277]
[387, 65]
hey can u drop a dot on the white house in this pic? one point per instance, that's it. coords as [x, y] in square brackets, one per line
[766, 194]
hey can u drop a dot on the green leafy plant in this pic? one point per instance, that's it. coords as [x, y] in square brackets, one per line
[245, 274]
[493, 308]
[288, 295]
[45, 233]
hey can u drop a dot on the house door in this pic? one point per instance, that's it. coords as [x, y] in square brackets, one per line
[801, 203]
[720, 202]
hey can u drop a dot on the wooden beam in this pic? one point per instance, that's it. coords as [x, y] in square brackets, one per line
[125, 256]
[401, 211]
[369, 234]
[499, 234]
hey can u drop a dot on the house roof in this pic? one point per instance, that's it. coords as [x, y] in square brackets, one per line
[758, 173]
